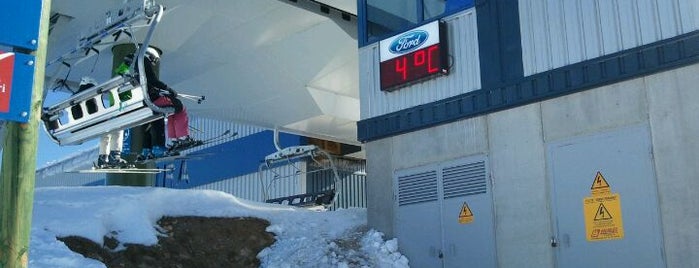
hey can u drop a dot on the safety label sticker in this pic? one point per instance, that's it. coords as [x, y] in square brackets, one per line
[600, 186]
[465, 216]
[602, 212]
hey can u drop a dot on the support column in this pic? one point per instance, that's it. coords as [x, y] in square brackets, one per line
[17, 177]
[133, 142]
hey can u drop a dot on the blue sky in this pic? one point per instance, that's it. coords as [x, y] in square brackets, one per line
[49, 151]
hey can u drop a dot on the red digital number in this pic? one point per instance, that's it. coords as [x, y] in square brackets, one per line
[401, 67]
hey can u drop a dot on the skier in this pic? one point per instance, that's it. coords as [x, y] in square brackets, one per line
[164, 96]
[112, 142]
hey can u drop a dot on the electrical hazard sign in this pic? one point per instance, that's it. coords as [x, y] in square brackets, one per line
[602, 212]
[466, 215]
[600, 186]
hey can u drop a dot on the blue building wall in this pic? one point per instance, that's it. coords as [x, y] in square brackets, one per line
[228, 160]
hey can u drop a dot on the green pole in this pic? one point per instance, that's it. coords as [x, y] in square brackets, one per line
[19, 166]
[137, 134]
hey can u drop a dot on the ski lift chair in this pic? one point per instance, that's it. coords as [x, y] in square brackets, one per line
[88, 114]
[286, 164]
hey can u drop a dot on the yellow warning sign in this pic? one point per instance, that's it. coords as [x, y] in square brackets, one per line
[466, 216]
[603, 217]
[600, 185]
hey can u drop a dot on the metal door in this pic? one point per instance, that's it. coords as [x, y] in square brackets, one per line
[467, 214]
[417, 222]
[444, 214]
[623, 158]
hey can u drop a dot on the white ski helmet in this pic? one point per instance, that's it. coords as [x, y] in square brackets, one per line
[153, 54]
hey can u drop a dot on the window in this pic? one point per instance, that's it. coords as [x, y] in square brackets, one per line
[382, 18]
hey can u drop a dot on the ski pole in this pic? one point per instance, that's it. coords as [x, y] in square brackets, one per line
[198, 99]
[195, 129]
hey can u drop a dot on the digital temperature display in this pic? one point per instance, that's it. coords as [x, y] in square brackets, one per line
[413, 56]
[412, 67]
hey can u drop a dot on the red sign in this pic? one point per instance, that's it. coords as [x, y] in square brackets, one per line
[7, 65]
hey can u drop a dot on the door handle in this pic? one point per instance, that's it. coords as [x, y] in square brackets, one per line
[554, 242]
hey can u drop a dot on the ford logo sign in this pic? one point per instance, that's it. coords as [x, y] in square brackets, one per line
[408, 41]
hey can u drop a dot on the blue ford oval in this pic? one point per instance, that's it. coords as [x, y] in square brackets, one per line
[408, 41]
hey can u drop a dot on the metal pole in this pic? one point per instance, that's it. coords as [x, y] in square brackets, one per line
[19, 166]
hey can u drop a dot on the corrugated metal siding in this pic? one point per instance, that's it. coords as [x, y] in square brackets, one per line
[556, 33]
[203, 128]
[246, 187]
[351, 194]
[71, 179]
[464, 75]
[351, 191]
[249, 186]
[56, 174]
[285, 180]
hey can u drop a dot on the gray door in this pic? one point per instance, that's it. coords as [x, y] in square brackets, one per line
[429, 201]
[624, 159]
[466, 184]
[417, 222]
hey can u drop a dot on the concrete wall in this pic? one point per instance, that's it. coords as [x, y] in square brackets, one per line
[520, 187]
[673, 101]
[438, 144]
[514, 141]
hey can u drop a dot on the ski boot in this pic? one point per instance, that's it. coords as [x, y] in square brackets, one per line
[186, 143]
[159, 151]
[115, 160]
[102, 161]
[174, 145]
[171, 149]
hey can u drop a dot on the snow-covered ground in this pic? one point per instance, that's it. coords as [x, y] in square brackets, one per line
[304, 237]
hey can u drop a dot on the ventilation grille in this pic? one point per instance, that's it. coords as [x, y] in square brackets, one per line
[417, 188]
[464, 180]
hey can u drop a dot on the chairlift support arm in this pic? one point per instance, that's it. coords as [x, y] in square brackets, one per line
[83, 116]
[289, 155]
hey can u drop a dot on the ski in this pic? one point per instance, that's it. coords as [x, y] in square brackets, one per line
[226, 134]
[175, 154]
[129, 170]
[171, 158]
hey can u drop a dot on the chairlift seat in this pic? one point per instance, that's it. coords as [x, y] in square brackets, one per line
[322, 198]
[76, 120]
[100, 110]
[289, 156]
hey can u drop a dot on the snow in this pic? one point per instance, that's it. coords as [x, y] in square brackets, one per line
[305, 238]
